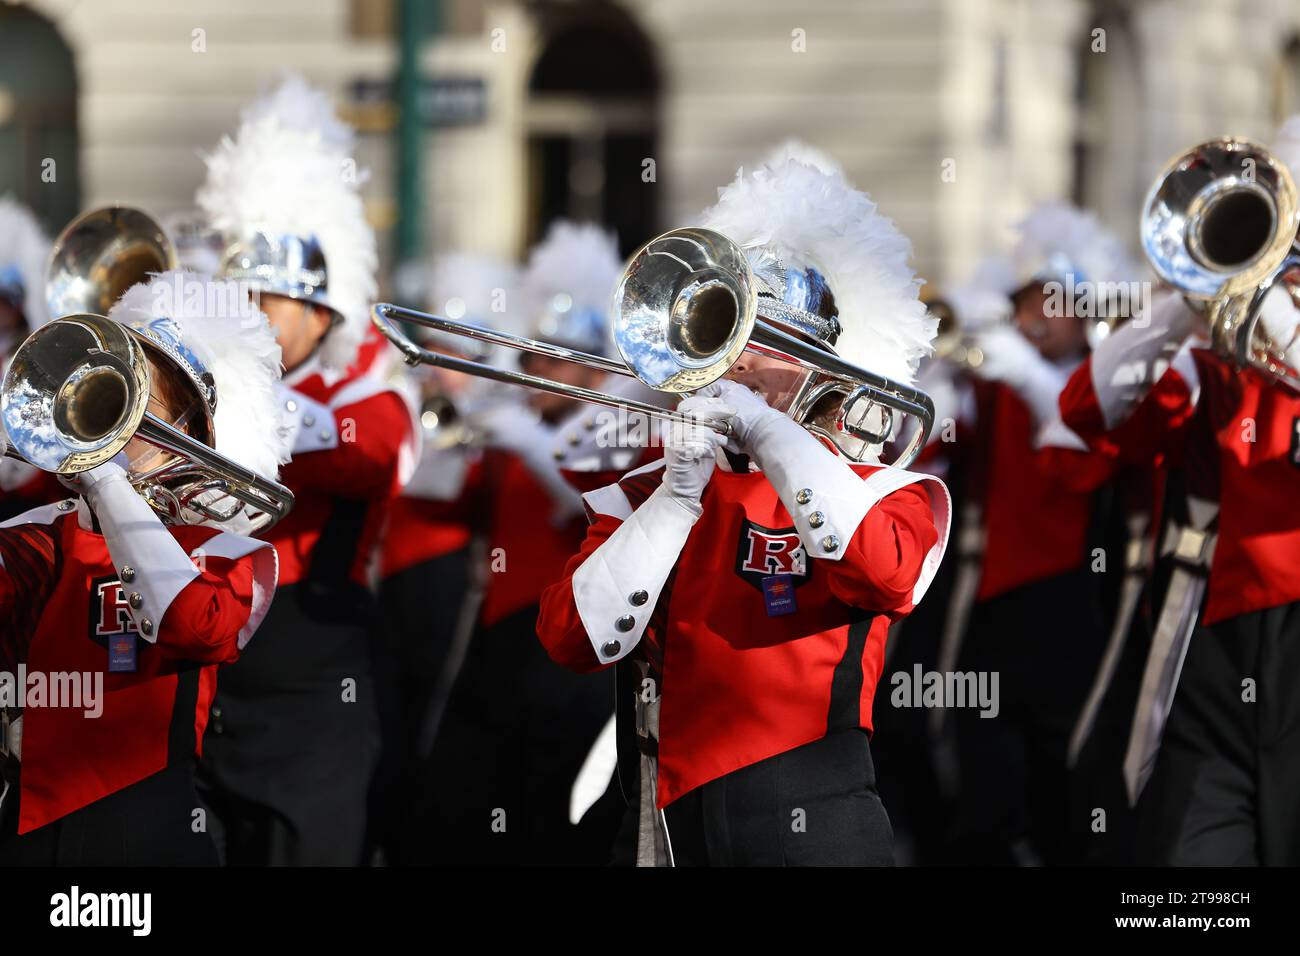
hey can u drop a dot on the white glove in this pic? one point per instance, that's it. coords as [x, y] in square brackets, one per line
[1011, 359]
[750, 412]
[691, 451]
[517, 429]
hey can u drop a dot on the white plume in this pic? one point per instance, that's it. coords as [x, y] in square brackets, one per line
[287, 170]
[579, 260]
[481, 288]
[1057, 237]
[807, 154]
[23, 244]
[238, 347]
[815, 219]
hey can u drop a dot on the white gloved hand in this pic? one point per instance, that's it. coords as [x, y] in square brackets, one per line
[691, 451]
[751, 411]
[1012, 359]
[1009, 357]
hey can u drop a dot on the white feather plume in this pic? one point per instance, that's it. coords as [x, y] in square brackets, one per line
[23, 243]
[804, 153]
[1287, 145]
[1057, 234]
[580, 260]
[815, 219]
[480, 287]
[287, 170]
[238, 347]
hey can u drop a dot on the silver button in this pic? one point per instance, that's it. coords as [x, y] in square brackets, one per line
[590, 424]
[610, 648]
[309, 420]
[559, 454]
[67, 505]
[803, 496]
[638, 598]
[291, 406]
[324, 434]
[128, 573]
[625, 623]
[146, 627]
[136, 600]
[830, 543]
[574, 438]
[816, 519]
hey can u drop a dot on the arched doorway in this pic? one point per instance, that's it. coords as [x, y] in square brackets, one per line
[592, 118]
[38, 117]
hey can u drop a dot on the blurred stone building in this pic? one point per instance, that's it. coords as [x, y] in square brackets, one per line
[955, 114]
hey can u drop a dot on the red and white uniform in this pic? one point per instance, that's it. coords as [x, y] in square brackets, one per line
[63, 597]
[1237, 428]
[740, 686]
[1036, 493]
[354, 442]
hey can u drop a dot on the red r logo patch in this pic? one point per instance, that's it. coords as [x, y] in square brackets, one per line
[109, 612]
[766, 551]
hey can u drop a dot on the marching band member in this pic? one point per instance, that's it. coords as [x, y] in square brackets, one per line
[1025, 600]
[517, 726]
[295, 725]
[144, 608]
[24, 249]
[1218, 753]
[756, 588]
[916, 781]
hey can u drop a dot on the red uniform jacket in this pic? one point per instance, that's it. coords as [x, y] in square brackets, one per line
[421, 529]
[61, 602]
[528, 543]
[1037, 501]
[352, 484]
[1243, 431]
[740, 686]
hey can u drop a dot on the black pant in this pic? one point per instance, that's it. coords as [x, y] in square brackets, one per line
[1044, 641]
[1225, 790]
[495, 790]
[293, 738]
[150, 823]
[419, 609]
[815, 805]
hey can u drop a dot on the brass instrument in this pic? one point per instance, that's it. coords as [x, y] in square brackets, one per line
[101, 254]
[958, 348]
[77, 391]
[686, 308]
[1220, 225]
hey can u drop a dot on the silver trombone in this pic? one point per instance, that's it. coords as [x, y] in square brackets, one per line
[686, 308]
[1220, 225]
[77, 391]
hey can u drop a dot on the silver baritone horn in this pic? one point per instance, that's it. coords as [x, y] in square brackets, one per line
[1220, 225]
[686, 308]
[77, 391]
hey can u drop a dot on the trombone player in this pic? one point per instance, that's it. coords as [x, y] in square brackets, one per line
[301, 708]
[750, 578]
[137, 585]
[1210, 383]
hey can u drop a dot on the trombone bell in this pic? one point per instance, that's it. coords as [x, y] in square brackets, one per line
[1220, 225]
[101, 254]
